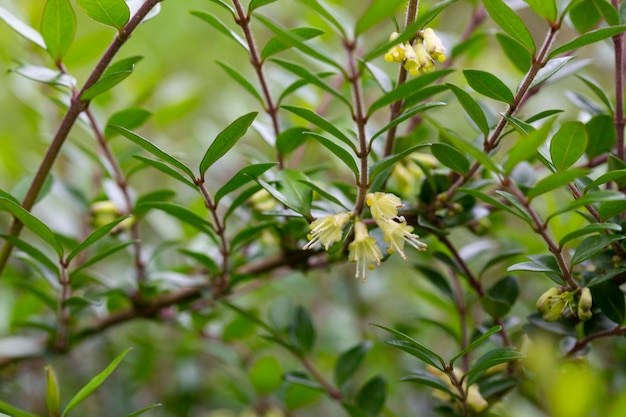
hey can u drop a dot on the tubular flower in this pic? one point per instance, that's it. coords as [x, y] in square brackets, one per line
[327, 230]
[397, 234]
[363, 251]
[397, 52]
[433, 45]
[584, 305]
[384, 206]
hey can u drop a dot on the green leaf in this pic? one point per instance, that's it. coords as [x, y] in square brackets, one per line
[588, 38]
[492, 358]
[243, 81]
[515, 51]
[22, 28]
[180, 212]
[552, 67]
[166, 169]
[113, 13]
[416, 349]
[471, 150]
[154, 150]
[143, 410]
[302, 331]
[109, 80]
[53, 400]
[32, 223]
[255, 4]
[247, 234]
[205, 260]
[405, 90]
[537, 263]
[380, 166]
[489, 85]
[489, 199]
[510, 22]
[450, 157]
[471, 107]
[58, 25]
[482, 339]
[602, 129]
[408, 114]
[378, 11]
[346, 157]
[129, 119]
[554, 181]
[319, 121]
[589, 198]
[589, 229]
[593, 245]
[324, 12]
[598, 91]
[501, 297]
[94, 237]
[527, 147]
[607, 177]
[241, 178]
[280, 197]
[292, 39]
[371, 397]
[610, 298]
[349, 361]
[584, 15]
[609, 275]
[424, 378]
[33, 252]
[102, 255]
[275, 45]
[225, 140]
[266, 375]
[45, 75]
[220, 26]
[290, 139]
[88, 389]
[568, 145]
[544, 8]
[14, 411]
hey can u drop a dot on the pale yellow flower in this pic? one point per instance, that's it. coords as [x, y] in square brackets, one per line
[433, 44]
[384, 206]
[364, 251]
[396, 234]
[327, 230]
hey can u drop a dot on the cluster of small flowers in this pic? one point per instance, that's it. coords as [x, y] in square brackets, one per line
[418, 58]
[555, 301]
[363, 249]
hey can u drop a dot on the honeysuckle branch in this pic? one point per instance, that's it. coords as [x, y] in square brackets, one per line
[582, 343]
[396, 107]
[76, 107]
[63, 312]
[243, 20]
[333, 392]
[618, 42]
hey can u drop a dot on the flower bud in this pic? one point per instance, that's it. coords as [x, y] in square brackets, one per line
[584, 304]
[434, 46]
[554, 311]
[545, 300]
[475, 399]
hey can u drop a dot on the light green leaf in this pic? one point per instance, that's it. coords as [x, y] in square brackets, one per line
[102, 255]
[378, 11]
[316, 119]
[349, 361]
[588, 38]
[544, 8]
[380, 166]
[53, 400]
[527, 146]
[130, 119]
[244, 176]
[242, 80]
[266, 375]
[346, 157]
[471, 107]
[33, 252]
[166, 169]
[225, 140]
[492, 358]
[180, 212]
[568, 145]
[406, 116]
[589, 198]
[510, 22]
[371, 397]
[94, 237]
[515, 51]
[220, 26]
[415, 348]
[323, 10]
[32, 223]
[275, 45]
[598, 91]
[109, 12]
[22, 28]
[280, 197]
[14, 411]
[428, 379]
[482, 339]
[143, 410]
[608, 177]
[554, 181]
[58, 25]
[470, 150]
[115, 74]
[537, 263]
[552, 67]
[489, 85]
[593, 245]
[45, 75]
[602, 129]
[450, 157]
[255, 4]
[589, 229]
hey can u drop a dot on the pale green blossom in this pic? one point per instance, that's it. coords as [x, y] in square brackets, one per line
[364, 251]
[327, 230]
[384, 206]
[399, 233]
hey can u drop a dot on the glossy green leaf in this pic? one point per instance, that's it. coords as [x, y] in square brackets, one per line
[220, 26]
[291, 139]
[349, 361]
[302, 331]
[489, 85]
[14, 411]
[515, 51]
[584, 16]
[322, 123]
[266, 375]
[598, 90]
[22, 28]
[405, 90]
[492, 358]
[95, 382]
[406, 115]
[424, 378]
[510, 22]
[144, 410]
[544, 8]
[103, 254]
[471, 150]
[255, 4]
[554, 181]
[32, 223]
[425, 16]
[471, 107]
[94, 237]
[225, 140]
[520, 126]
[609, 275]
[380, 166]
[610, 298]
[108, 12]
[346, 157]
[275, 45]
[479, 341]
[33, 252]
[242, 177]
[109, 80]
[552, 67]
[567, 145]
[280, 197]
[537, 263]
[323, 10]
[501, 297]
[377, 11]
[371, 397]
[607, 177]
[589, 229]
[179, 212]
[241, 80]
[542, 115]
[166, 169]
[610, 209]
[516, 204]
[414, 348]
[593, 245]
[587, 39]
[450, 157]
[130, 119]
[53, 396]
[589, 198]
[153, 149]
[602, 129]
[58, 25]
[527, 147]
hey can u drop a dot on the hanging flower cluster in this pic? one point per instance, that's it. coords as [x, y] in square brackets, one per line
[363, 249]
[420, 57]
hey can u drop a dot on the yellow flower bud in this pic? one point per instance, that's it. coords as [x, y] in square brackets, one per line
[554, 311]
[584, 305]
[545, 300]
[475, 400]
[434, 46]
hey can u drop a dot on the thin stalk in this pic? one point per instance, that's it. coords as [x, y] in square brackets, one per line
[63, 313]
[333, 392]
[222, 281]
[618, 42]
[76, 107]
